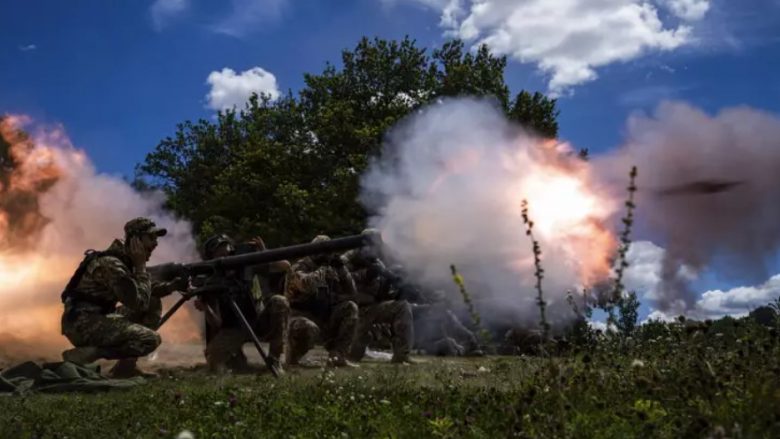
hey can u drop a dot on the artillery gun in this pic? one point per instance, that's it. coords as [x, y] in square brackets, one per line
[229, 265]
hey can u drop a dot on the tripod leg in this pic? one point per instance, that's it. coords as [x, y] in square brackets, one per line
[173, 309]
[255, 340]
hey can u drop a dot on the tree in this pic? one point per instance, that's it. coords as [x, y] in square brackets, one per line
[289, 169]
[6, 160]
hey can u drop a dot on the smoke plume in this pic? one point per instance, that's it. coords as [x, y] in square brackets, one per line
[53, 207]
[708, 190]
[447, 189]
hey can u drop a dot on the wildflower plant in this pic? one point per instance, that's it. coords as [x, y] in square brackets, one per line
[627, 304]
[538, 270]
[464, 293]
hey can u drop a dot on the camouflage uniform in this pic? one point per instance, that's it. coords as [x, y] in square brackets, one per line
[372, 283]
[91, 318]
[322, 296]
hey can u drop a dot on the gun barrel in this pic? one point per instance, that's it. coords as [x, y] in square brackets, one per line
[276, 254]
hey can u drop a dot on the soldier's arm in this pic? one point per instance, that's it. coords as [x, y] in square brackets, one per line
[302, 284]
[132, 289]
[347, 283]
[162, 289]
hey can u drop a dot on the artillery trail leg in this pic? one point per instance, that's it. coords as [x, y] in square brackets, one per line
[173, 309]
[255, 340]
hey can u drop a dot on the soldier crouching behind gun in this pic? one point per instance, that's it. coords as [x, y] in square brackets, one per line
[322, 293]
[266, 310]
[377, 304]
[92, 321]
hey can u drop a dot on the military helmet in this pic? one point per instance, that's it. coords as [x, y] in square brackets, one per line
[320, 238]
[211, 245]
[140, 226]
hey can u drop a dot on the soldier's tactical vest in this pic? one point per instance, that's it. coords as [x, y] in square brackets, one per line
[71, 291]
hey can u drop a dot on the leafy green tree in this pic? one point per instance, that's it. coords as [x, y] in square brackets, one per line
[536, 112]
[290, 169]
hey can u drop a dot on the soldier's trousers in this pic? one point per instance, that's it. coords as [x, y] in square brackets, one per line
[397, 314]
[336, 330]
[122, 334]
[224, 348]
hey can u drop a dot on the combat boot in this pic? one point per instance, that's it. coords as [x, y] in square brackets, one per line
[128, 368]
[405, 359]
[83, 355]
[276, 365]
[338, 360]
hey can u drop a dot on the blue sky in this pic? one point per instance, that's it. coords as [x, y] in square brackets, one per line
[120, 75]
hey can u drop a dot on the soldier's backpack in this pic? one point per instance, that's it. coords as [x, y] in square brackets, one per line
[70, 291]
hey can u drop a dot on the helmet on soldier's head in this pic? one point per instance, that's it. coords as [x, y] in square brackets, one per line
[321, 257]
[320, 238]
[140, 226]
[211, 245]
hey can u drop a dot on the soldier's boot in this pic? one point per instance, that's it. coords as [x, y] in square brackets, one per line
[337, 359]
[472, 348]
[237, 362]
[83, 355]
[276, 365]
[128, 368]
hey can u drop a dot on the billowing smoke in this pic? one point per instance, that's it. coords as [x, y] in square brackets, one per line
[447, 189]
[54, 206]
[708, 189]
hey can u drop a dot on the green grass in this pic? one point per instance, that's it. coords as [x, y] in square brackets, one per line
[673, 384]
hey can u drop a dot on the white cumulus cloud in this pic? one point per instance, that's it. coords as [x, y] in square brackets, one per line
[230, 89]
[690, 10]
[162, 11]
[736, 302]
[569, 39]
[246, 16]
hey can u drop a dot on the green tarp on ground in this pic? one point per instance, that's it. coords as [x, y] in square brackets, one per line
[59, 377]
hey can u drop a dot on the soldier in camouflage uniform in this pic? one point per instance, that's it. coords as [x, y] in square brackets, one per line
[322, 293]
[376, 304]
[263, 305]
[92, 321]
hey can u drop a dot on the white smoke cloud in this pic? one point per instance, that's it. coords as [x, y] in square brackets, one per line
[448, 190]
[707, 189]
[231, 90]
[570, 39]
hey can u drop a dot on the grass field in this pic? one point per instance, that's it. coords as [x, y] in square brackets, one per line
[670, 386]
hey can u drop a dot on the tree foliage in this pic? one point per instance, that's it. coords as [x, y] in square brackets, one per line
[289, 169]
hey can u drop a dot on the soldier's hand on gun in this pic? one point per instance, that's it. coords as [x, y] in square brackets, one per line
[181, 283]
[258, 243]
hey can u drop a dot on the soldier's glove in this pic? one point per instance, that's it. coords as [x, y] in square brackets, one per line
[180, 284]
